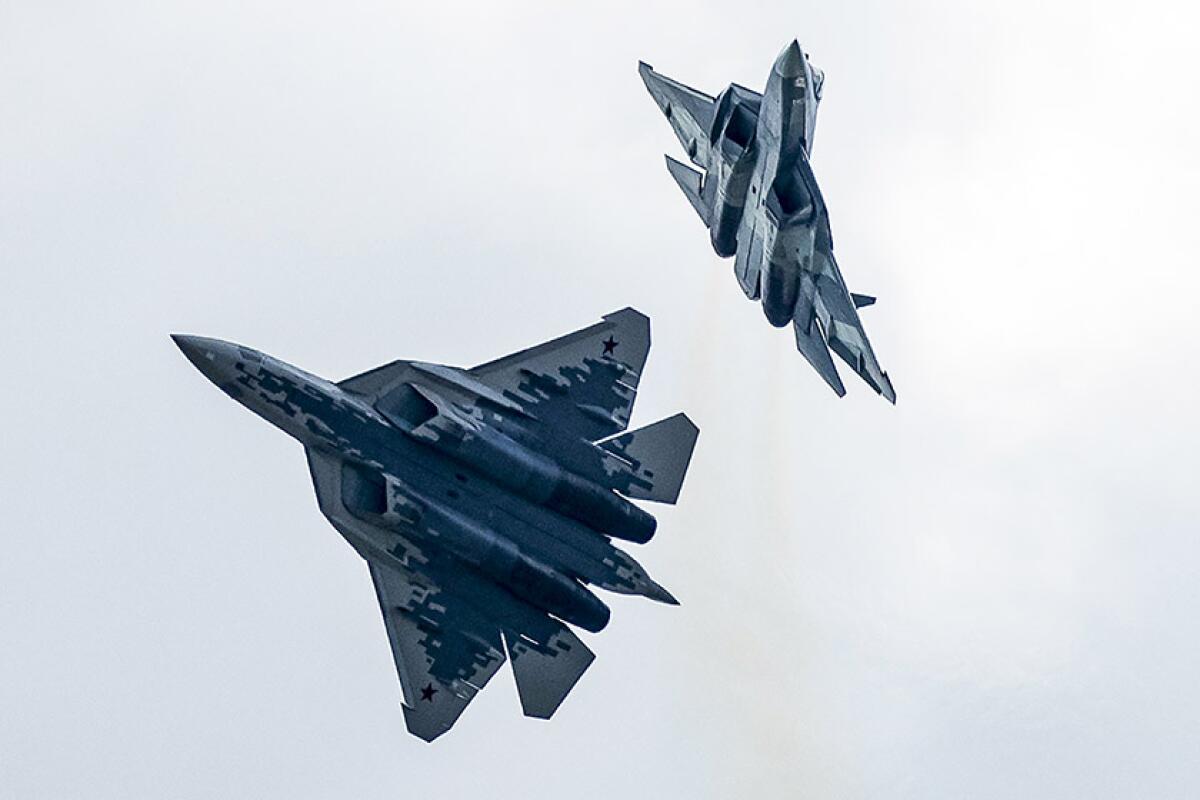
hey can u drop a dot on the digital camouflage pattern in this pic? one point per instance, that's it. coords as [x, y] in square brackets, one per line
[484, 501]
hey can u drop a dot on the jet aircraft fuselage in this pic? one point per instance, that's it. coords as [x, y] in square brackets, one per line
[757, 195]
[485, 501]
[388, 461]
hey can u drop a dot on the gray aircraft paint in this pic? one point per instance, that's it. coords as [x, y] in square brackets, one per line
[483, 500]
[760, 200]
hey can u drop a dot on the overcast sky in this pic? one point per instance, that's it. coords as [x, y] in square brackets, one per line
[987, 591]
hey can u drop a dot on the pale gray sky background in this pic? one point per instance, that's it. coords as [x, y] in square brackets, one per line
[988, 591]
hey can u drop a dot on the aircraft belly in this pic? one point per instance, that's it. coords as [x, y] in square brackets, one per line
[547, 536]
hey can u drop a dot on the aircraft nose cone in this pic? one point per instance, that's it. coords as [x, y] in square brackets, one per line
[212, 357]
[790, 63]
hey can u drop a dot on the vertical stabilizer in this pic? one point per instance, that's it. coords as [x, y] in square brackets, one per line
[811, 343]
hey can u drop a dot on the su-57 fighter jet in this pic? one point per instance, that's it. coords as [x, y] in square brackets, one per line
[483, 500]
[761, 203]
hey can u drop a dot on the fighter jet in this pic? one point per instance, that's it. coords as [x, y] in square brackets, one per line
[484, 501]
[761, 203]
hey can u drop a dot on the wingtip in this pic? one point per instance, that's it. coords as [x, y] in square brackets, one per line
[888, 392]
[627, 313]
[647, 74]
[420, 727]
[691, 423]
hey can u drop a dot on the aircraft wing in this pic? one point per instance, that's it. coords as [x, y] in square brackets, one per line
[444, 650]
[449, 628]
[826, 316]
[690, 112]
[584, 382]
[844, 331]
[824, 299]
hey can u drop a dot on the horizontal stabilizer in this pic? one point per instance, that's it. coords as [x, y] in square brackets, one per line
[546, 673]
[650, 463]
[811, 344]
[689, 181]
[862, 300]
